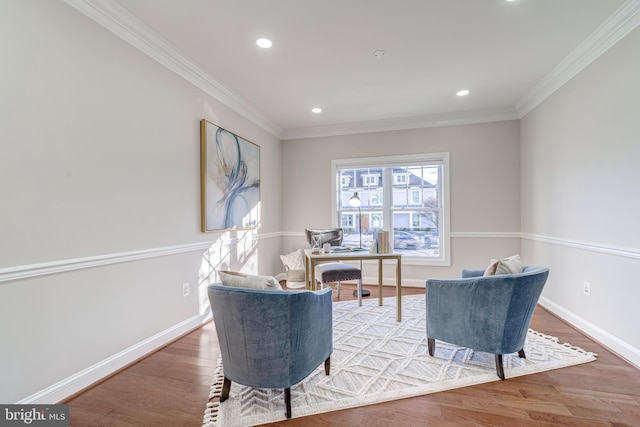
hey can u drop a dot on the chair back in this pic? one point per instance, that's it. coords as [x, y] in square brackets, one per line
[270, 338]
[485, 313]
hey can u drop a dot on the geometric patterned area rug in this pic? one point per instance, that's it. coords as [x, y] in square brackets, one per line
[376, 359]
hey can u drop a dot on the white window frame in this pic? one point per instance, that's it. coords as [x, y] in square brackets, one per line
[444, 236]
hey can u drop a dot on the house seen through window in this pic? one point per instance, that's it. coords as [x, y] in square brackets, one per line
[404, 195]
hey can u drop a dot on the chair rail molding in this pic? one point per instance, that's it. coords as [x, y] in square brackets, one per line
[587, 246]
[33, 270]
[61, 266]
[486, 234]
[561, 241]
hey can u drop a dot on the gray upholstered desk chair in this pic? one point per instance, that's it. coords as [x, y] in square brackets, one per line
[334, 272]
[337, 272]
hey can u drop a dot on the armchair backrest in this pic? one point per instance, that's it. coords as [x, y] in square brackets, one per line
[486, 313]
[271, 339]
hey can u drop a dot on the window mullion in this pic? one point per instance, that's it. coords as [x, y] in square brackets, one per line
[387, 197]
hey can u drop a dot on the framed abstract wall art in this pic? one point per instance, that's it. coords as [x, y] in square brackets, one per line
[230, 179]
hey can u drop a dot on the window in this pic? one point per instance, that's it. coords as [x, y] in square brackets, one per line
[376, 221]
[369, 180]
[399, 178]
[347, 221]
[344, 180]
[376, 198]
[405, 195]
[416, 221]
[416, 196]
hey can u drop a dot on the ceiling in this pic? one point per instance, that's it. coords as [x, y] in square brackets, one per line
[504, 52]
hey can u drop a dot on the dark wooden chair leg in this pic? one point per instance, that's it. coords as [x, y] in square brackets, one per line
[327, 365]
[521, 354]
[431, 345]
[499, 367]
[226, 386]
[287, 402]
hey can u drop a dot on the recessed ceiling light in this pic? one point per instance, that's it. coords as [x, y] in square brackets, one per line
[463, 92]
[316, 110]
[264, 43]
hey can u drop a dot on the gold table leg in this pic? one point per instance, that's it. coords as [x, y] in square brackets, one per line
[398, 291]
[379, 282]
[313, 275]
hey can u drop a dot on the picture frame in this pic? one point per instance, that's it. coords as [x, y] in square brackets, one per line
[230, 180]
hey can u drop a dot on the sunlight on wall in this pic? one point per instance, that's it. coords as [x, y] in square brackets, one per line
[252, 217]
[235, 250]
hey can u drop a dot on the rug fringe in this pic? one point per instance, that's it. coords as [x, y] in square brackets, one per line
[555, 340]
[213, 405]
[422, 375]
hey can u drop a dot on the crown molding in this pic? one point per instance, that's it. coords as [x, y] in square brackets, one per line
[403, 123]
[614, 29]
[124, 25]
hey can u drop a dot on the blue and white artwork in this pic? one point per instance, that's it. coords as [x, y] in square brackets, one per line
[230, 180]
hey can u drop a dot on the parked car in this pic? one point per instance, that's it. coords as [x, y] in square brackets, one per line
[406, 240]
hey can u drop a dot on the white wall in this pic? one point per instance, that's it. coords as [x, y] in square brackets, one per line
[579, 154]
[485, 185]
[99, 218]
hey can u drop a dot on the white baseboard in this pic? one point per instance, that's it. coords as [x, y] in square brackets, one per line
[622, 348]
[69, 386]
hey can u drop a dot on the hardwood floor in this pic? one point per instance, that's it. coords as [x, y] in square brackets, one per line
[171, 387]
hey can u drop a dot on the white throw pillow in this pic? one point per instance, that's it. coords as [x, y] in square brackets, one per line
[294, 267]
[293, 260]
[241, 280]
[510, 265]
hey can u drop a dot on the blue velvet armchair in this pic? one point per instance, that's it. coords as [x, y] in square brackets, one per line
[485, 313]
[271, 339]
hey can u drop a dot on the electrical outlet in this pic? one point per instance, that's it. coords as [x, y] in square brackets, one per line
[586, 289]
[185, 290]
